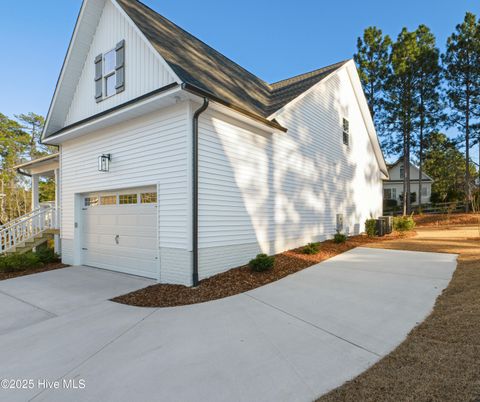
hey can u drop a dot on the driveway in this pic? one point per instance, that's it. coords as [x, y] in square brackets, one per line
[291, 340]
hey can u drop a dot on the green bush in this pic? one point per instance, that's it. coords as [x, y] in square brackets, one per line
[371, 227]
[47, 255]
[390, 203]
[311, 248]
[339, 238]
[19, 262]
[261, 263]
[403, 223]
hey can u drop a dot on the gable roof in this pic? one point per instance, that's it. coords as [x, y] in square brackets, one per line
[201, 66]
[390, 166]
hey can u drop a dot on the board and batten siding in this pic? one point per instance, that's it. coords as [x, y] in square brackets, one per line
[264, 192]
[150, 150]
[144, 70]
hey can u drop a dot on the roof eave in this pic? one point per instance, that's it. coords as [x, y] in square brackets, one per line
[205, 94]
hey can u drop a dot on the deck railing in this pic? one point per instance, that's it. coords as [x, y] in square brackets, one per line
[27, 227]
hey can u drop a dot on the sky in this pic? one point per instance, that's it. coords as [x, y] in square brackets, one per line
[272, 39]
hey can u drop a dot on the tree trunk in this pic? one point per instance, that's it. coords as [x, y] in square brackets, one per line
[467, 151]
[420, 156]
[404, 200]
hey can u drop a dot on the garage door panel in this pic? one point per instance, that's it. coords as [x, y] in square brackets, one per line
[121, 238]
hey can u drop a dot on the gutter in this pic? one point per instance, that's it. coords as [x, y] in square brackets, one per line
[195, 148]
[205, 94]
[20, 171]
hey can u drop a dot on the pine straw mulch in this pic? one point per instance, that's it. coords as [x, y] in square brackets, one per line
[47, 267]
[242, 279]
[447, 219]
[440, 359]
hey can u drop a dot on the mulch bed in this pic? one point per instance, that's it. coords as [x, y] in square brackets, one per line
[242, 279]
[44, 268]
[440, 359]
[446, 219]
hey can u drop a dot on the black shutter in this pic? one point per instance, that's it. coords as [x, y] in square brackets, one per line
[120, 66]
[98, 78]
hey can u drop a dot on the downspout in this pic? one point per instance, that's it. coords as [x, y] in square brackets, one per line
[196, 115]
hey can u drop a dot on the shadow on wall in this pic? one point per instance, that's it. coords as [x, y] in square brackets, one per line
[279, 191]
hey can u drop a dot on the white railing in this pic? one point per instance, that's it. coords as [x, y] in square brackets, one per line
[19, 219]
[26, 227]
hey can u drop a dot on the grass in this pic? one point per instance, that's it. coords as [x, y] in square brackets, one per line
[440, 359]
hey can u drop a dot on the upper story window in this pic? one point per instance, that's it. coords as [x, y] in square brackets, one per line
[402, 172]
[110, 72]
[346, 132]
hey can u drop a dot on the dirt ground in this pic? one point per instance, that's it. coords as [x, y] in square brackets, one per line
[446, 219]
[440, 359]
[44, 268]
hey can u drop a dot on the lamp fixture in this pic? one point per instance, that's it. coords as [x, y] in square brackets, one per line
[104, 162]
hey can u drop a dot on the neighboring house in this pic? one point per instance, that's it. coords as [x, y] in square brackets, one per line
[204, 164]
[393, 186]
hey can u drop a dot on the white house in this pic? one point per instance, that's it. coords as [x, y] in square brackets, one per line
[393, 186]
[204, 164]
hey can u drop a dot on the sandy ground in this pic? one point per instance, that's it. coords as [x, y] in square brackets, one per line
[440, 359]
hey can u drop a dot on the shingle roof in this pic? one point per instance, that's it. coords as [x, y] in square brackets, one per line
[198, 64]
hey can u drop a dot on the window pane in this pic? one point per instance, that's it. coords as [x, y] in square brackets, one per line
[148, 198]
[127, 199]
[346, 125]
[108, 200]
[110, 82]
[387, 194]
[91, 201]
[109, 62]
[345, 138]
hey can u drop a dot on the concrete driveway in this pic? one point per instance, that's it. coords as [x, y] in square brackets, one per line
[292, 340]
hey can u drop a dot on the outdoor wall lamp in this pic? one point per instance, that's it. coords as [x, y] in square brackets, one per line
[104, 162]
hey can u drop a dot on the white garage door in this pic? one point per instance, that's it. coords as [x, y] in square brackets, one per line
[120, 231]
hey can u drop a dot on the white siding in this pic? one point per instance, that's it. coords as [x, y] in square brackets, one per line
[271, 192]
[144, 70]
[151, 150]
[394, 173]
[398, 186]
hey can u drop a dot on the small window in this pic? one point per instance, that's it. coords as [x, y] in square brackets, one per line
[402, 172]
[424, 190]
[91, 201]
[109, 74]
[148, 198]
[394, 194]
[387, 194]
[108, 200]
[346, 132]
[127, 199]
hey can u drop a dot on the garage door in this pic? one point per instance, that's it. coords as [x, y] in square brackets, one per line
[120, 231]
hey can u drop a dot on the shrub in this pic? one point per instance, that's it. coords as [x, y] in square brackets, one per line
[261, 263]
[339, 238]
[311, 248]
[19, 262]
[403, 223]
[371, 227]
[390, 203]
[47, 255]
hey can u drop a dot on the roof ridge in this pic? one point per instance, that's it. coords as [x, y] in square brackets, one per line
[275, 84]
[204, 43]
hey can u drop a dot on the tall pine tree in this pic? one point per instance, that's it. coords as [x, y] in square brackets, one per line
[402, 103]
[430, 111]
[462, 72]
[372, 59]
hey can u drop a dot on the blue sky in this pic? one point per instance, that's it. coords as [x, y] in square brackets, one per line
[272, 39]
